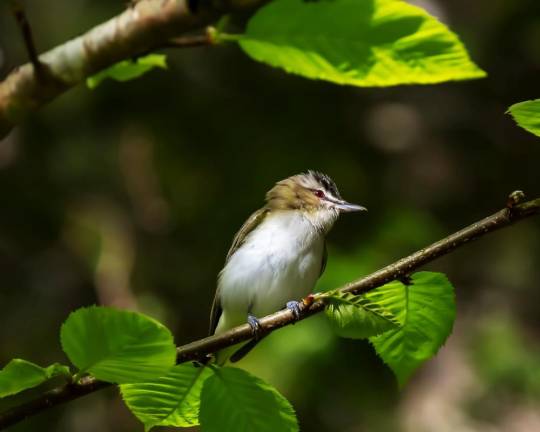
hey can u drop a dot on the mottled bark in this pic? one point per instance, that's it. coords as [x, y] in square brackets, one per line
[142, 27]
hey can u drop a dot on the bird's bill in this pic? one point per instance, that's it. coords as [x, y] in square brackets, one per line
[346, 207]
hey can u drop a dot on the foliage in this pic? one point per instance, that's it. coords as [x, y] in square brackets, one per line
[19, 375]
[356, 317]
[234, 400]
[426, 309]
[527, 115]
[130, 348]
[128, 69]
[362, 43]
[172, 400]
[406, 323]
[117, 346]
[367, 43]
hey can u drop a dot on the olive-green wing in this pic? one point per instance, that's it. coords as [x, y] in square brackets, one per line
[215, 313]
[324, 259]
[253, 222]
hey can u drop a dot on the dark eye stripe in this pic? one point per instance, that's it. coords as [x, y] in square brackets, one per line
[327, 183]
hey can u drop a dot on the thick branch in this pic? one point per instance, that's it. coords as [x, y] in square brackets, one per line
[199, 349]
[146, 25]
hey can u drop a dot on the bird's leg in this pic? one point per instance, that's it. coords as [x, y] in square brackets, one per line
[297, 307]
[294, 307]
[255, 326]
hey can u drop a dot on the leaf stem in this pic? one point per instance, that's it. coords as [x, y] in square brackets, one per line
[226, 37]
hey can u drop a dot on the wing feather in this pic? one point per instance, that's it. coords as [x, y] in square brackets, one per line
[253, 222]
[324, 259]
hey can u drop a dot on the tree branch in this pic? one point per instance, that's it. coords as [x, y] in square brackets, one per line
[143, 27]
[514, 212]
[189, 41]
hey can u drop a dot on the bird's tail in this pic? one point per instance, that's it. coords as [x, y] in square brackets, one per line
[225, 354]
[241, 352]
[236, 352]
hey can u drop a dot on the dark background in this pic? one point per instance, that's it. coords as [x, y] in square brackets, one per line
[130, 195]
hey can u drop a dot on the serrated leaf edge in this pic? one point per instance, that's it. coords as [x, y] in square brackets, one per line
[361, 301]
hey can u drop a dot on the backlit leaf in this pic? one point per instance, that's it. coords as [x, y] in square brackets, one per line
[19, 375]
[357, 317]
[172, 400]
[527, 115]
[357, 42]
[232, 400]
[426, 309]
[128, 69]
[116, 345]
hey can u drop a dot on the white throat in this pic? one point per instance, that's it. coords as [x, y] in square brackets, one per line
[322, 219]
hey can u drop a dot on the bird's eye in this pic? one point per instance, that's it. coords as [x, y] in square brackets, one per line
[319, 193]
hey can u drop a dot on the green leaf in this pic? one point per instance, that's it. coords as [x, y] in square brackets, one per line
[357, 42]
[427, 310]
[172, 400]
[527, 115]
[357, 317]
[19, 375]
[128, 69]
[232, 400]
[117, 346]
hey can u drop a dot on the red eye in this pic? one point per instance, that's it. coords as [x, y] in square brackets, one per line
[319, 193]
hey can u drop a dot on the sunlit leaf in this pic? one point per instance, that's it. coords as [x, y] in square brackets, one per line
[128, 69]
[426, 309]
[172, 400]
[118, 346]
[19, 375]
[232, 400]
[357, 42]
[527, 115]
[357, 317]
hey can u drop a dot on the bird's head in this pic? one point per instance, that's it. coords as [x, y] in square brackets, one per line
[313, 193]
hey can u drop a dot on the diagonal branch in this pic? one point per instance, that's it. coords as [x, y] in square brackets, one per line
[514, 212]
[143, 27]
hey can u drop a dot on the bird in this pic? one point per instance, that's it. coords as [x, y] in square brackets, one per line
[277, 255]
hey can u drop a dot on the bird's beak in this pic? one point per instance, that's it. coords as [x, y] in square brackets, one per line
[346, 207]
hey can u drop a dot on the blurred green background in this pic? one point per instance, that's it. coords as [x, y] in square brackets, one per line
[129, 195]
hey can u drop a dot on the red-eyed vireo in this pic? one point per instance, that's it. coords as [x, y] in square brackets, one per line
[278, 254]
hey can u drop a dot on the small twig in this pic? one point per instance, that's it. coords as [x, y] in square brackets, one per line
[201, 348]
[139, 28]
[22, 21]
[190, 41]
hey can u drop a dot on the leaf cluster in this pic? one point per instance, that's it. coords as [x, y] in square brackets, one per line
[137, 352]
[405, 323]
[365, 43]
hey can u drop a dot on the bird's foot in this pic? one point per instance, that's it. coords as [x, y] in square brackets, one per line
[294, 307]
[255, 326]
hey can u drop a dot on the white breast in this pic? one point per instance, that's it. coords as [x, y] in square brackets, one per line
[278, 262]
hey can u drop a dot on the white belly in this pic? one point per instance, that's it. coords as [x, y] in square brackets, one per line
[279, 261]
